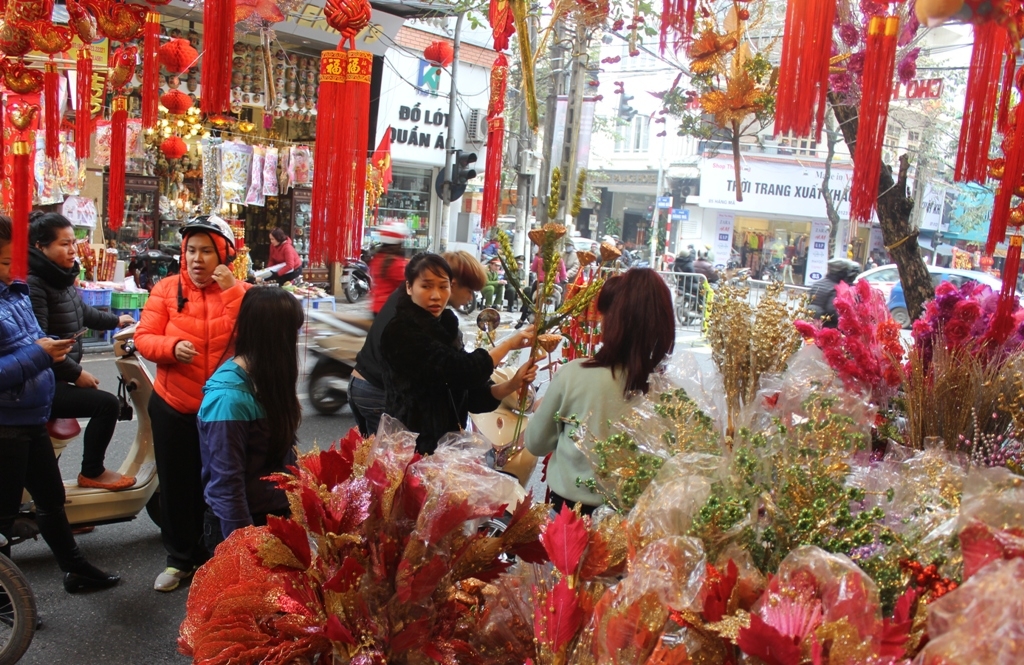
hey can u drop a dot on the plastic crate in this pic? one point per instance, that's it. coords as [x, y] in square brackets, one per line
[96, 297]
[125, 300]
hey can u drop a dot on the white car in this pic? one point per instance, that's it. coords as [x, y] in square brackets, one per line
[882, 278]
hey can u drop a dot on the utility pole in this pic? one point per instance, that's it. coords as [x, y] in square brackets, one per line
[524, 188]
[573, 112]
[656, 217]
[449, 144]
[556, 87]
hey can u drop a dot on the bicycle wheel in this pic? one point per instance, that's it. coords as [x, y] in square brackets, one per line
[17, 613]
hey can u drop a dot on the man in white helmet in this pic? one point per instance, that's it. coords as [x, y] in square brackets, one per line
[387, 267]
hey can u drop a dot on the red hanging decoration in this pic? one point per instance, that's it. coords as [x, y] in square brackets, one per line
[990, 43]
[151, 70]
[356, 133]
[499, 15]
[51, 103]
[677, 17]
[804, 69]
[495, 143]
[118, 156]
[1006, 91]
[1010, 177]
[178, 56]
[21, 181]
[176, 102]
[439, 53]
[3, 139]
[328, 159]
[173, 147]
[876, 90]
[83, 112]
[218, 43]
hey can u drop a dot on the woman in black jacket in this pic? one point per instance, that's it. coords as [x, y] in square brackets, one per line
[61, 313]
[431, 383]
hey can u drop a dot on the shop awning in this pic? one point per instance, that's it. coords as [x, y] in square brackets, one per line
[408, 9]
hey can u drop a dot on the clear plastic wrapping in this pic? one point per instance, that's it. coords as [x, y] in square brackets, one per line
[991, 522]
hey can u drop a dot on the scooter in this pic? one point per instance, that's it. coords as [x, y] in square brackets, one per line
[355, 278]
[335, 359]
[93, 507]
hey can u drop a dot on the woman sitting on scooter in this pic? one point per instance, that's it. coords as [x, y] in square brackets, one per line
[639, 332]
[282, 251]
[186, 330]
[250, 414]
[61, 313]
[431, 382]
[26, 454]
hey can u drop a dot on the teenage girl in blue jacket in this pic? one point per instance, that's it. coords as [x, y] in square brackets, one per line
[26, 454]
[250, 414]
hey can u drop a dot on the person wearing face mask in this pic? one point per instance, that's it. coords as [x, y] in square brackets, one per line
[431, 383]
[186, 329]
[53, 271]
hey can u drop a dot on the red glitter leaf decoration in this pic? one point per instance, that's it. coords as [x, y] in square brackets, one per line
[414, 635]
[293, 536]
[719, 591]
[896, 630]
[336, 632]
[449, 518]
[558, 618]
[348, 576]
[565, 540]
[313, 508]
[598, 556]
[412, 586]
[981, 545]
[762, 641]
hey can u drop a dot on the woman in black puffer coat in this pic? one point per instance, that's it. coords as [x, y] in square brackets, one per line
[61, 313]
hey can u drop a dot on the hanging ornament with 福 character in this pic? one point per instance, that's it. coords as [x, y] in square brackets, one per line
[499, 15]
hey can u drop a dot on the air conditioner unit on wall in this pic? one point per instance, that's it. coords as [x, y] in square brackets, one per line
[476, 126]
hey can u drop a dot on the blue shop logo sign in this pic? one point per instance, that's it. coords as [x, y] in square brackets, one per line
[429, 79]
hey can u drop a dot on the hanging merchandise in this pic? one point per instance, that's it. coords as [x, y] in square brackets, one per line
[218, 39]
[495, 142]
[103, 139]
[173, 147]
[118, 21]
[876, 90]
[19, 78]
[51, 107]
[499, 15]
[235, 169]
[520, 11]
[83, 101]
[983, 83]
[439, 53]
[150, 70]
[270, 184]
[299, 163]
[804, 70]
[677, 20]
[22, 117]
[81, 22]
[176, 102]
[80, 211]
[284, 177]
[177, 56]
[210, 201]
[118, 160]
[255, 194]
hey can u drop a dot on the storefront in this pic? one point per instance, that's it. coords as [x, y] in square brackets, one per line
[781, 225]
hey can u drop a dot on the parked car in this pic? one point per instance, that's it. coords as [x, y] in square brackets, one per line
[957, 277]
[882, 278]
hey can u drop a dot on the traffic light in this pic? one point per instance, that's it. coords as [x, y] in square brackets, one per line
[461, 172]
[626, 112]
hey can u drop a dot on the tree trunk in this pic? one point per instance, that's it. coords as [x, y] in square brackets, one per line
[831, 138]
[894, 209]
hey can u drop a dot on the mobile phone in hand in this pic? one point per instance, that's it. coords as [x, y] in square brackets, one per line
[77, 335]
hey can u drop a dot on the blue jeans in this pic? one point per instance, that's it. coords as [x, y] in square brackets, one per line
[367, 402]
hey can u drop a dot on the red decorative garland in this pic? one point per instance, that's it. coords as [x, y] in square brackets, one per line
[51, 100]
[495, 143]
[83, 115]
[151, 70]
[21, 181]
[990, 43]
[356, 129]
[677, 17]
[118, 150]
[876, 86]
[1010, 68]
[1013, 167]
[218, 44]
[328, 159]
[804, 69]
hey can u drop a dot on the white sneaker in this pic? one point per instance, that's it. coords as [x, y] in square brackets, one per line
[171, 578]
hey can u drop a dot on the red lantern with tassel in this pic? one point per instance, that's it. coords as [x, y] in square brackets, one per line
[876, 87]
[990, 44]
[83, 113]
[21, 116]
[328, 160]
[173, 147]
[495, 142]
[218, 42]
[176, 102]
[439, 53]
[51, 102]
[118, 157]
[150, 70]
[178, 56]
[804, 69]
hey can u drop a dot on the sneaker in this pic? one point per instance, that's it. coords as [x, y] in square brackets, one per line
[171, 578]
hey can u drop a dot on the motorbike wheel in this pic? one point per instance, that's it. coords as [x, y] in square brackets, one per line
[17, 613]
[326, 399]
[352, 290]
[153, 507]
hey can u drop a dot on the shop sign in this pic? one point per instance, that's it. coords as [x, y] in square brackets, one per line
[932, 207]
[429, 79]
[918, 89]
[665, 202]
[774, 188]
[422, 121]
[817, 252]
[723, 239]
[680, 215]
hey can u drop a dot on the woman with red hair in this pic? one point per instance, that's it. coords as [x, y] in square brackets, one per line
[638, 333]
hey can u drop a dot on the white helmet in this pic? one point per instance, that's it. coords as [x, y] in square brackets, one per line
[393, 233]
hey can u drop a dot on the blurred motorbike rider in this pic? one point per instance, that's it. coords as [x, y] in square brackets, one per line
[823, 292]
[387, 267]
[186, 329]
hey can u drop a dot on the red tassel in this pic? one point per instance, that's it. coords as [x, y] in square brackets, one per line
[356, 129]
[151, 70]
[495, 143]
[51, 99]
[804, 69]
[218, 42]
[1013, 167]
[1006, 91]
[3, 132]
[876, 87]
[83, 116]
[1012, 266]
[21, 181]
[990, 43]
[118, 148]
[677, 16]
[328, 160]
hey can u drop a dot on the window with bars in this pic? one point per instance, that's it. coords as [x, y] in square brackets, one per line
[634, 136]
[789, 144]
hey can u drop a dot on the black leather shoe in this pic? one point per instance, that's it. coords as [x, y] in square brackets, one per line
[75, 582]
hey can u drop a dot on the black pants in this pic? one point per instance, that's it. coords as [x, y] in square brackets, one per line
[288, 276]
[557, 501]
[213, 535]
[367, 402]
[101, 408]
[179, 467]
[27, 462]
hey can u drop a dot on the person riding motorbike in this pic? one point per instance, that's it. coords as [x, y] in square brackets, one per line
[702, 266]
[683, 262]
[387, 267]
[823, 292]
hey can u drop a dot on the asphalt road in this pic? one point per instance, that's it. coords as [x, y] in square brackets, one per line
[131, 623]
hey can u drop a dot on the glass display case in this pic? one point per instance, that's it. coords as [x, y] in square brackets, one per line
[301, 213]
[141, 211]
[407, 202]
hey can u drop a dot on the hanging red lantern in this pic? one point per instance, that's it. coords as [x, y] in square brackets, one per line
[173, 147]
[439, 53]
[177, 56]
[176, 102]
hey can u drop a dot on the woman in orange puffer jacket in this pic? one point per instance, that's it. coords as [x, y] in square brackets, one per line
[186, 329]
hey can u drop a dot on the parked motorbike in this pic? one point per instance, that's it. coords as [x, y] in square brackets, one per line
[149, 266]
[18, 615]
[355, 277]
[93, 507]
[335, 359]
